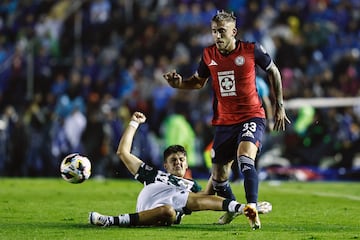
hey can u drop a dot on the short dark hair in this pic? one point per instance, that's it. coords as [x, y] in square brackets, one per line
[224, 16]
[173, 149]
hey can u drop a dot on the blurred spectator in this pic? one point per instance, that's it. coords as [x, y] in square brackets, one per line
[99, 17]
[74, 125]
[176, 129]
[35, 122]
[94, 140]
[8, 120]
[162, 95]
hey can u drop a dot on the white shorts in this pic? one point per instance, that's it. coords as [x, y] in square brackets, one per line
[160, 194]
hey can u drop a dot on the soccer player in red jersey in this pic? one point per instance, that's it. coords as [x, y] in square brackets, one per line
[238, 114]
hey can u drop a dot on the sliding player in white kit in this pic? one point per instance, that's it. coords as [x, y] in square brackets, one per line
[166, 196]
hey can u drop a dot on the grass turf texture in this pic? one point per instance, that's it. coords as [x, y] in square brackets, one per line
[54, 209]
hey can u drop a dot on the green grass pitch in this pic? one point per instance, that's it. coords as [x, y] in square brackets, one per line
[54, 209]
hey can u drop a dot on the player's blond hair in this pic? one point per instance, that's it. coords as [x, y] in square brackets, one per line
[224, 16]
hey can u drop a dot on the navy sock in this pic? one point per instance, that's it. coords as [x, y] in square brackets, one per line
[134, 219]
[251, 181]
[131, 219]
[223, 189]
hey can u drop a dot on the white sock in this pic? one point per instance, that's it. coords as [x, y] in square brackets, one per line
[111, 218]
[252, 205]
[234, 206]
[124, 219]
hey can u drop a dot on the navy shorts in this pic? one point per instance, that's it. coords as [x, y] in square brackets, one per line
[227, 138]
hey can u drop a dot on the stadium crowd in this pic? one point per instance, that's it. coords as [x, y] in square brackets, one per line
[72, 73]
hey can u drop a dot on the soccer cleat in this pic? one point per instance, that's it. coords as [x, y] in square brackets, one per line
[96, 218]
[228, 217]
[252, 215]
[262, 208]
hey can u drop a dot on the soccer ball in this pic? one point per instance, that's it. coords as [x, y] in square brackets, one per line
[75, 168]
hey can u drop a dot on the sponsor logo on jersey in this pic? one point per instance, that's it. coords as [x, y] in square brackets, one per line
[212, 63]
[239, 60]
[227, 83]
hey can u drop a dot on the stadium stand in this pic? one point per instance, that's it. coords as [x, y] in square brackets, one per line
[71, 73]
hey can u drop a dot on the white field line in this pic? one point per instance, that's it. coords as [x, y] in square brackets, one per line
[322, 194]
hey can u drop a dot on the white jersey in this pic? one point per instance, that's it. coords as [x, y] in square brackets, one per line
[161, 188]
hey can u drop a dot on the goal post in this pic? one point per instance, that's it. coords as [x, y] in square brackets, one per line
[332, 102]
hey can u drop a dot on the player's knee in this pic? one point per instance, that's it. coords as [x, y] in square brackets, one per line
[168, 213]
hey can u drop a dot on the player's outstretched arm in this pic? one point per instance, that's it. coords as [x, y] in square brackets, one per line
[124, 149]
[175, 80]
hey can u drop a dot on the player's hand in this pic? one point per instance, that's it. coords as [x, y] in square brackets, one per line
[280, 119]
[138, 117]
[173, 78]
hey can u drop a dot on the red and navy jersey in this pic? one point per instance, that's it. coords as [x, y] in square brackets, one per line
[233, 81]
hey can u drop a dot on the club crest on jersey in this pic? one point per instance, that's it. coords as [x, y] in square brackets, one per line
[239, 60]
